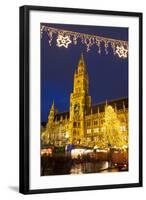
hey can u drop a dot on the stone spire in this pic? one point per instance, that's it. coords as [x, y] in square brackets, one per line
[52, 112]
[106, 103]
[53, 106]
[81, 64]
[124, 106]
[115, 107]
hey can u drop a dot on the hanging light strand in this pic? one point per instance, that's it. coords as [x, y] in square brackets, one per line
[65, 38]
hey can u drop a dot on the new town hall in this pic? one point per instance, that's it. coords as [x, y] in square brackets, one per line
[84, 123]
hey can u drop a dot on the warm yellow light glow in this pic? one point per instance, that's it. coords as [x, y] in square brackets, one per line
[66, 136]
[101, 129]
[113, 134]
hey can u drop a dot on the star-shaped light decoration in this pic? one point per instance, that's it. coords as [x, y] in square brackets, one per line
[63, 41]
[121, 51]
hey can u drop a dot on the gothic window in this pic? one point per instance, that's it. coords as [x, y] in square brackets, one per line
[122, 119]
[88, 123]
[95, 122]
[102, 121]
[74, 133]
[78, 82]
[76, 108]
[123, 128]
[96, 130]
[74, 124]
[103, 129]
[88, 131]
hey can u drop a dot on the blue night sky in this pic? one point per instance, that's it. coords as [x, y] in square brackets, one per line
[108, 74]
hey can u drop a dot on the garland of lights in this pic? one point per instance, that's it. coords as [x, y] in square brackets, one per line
[66, 38]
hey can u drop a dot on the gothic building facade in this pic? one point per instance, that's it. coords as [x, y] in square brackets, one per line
[84, 123]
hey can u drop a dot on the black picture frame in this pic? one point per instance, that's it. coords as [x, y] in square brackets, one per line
[25, 105]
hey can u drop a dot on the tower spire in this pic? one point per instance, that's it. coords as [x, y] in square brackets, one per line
[53, 106]
[115, 107]
[106, 103]
[81, 64]
[82, 56]
[52, 112]
[124, 106]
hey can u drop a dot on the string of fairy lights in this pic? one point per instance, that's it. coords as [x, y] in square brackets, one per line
[64, 38]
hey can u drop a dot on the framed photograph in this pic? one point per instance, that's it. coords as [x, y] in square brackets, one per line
[80, 99]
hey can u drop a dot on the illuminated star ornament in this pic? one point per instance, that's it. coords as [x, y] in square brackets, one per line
[63, 38]
[121, 51]
[63, 41]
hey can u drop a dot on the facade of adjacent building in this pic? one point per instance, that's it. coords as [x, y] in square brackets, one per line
[83, 123]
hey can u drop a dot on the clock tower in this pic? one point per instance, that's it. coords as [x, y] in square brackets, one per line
[80, 101]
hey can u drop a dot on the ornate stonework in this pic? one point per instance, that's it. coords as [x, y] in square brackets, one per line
[84, 123]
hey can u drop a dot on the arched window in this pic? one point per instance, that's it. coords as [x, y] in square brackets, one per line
[74, 124]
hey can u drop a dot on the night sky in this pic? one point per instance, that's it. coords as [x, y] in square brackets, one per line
[108, 74]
